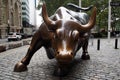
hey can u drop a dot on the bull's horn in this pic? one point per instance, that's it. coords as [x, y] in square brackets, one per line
[50, 23]
[91, 22]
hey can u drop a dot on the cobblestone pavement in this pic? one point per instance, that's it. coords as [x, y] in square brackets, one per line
[103, 65]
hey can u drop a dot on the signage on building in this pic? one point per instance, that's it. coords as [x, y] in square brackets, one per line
[115, 3]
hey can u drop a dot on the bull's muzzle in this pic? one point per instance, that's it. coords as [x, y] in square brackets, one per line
[64, 57]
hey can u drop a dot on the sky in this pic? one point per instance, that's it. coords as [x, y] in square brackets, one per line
[38, 17]
[32, 12]
[35, 18]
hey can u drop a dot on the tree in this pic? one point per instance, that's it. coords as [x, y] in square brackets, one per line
[53, 5]
[102, 10]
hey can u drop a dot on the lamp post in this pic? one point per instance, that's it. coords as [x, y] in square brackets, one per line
[116, 40]
[80, 4]
[109, 19]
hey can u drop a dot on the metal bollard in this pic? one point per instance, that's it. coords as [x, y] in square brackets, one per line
[116, 43]
[98, 44]
[91, 40]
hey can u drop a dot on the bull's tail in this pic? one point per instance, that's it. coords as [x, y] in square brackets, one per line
[79, 8]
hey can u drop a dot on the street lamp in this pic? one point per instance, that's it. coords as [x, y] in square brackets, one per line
[109, 19]
[80, 4]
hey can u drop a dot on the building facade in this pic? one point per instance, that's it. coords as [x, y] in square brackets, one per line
[25, 13]
[10, 17]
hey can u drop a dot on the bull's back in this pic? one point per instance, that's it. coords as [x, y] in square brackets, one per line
[66, 14]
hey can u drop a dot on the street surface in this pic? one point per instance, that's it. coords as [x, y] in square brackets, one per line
[103, 65]
[3, 41]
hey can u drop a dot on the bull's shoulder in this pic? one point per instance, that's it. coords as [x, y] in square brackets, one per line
[44, 33]
[63, 13]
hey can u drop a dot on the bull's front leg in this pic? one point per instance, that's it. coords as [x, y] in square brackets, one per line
[22, 65]
[34, 46]
[85, 55]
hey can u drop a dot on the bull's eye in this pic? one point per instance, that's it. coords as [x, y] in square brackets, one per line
[54, 36]
[71, 53]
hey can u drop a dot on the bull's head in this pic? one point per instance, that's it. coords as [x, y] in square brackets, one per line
[66, 35]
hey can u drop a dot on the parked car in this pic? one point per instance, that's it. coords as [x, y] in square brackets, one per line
[14, 36]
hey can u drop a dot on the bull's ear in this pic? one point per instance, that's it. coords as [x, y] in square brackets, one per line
[49, 22]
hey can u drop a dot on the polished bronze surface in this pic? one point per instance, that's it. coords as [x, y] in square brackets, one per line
[62, 35]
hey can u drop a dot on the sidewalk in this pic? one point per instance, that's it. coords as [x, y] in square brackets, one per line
[104, 42]
[3, 41]
[14, 44]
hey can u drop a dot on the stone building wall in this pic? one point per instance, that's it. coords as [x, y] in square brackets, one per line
[10, 17]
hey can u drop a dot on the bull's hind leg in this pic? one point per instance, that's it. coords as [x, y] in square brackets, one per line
[85, 55]
[34, 46]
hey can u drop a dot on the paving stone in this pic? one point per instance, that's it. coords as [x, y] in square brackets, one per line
[103, 65]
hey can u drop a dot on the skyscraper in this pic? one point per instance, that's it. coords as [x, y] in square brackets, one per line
[25, 13]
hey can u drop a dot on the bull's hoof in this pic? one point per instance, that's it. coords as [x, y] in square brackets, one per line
[20, 67]
[85, 57]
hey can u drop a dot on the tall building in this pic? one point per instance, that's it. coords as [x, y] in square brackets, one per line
[10, 17]
[32, 4]
[25, 13]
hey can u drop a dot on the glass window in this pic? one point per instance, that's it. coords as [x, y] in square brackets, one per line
[23, 8]
[23, 3]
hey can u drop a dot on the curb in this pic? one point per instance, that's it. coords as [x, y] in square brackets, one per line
[12, 45]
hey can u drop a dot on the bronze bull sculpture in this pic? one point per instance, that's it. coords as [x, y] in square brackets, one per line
[62, 35]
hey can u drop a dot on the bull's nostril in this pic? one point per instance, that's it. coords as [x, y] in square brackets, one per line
[70, 53]
[57, 52]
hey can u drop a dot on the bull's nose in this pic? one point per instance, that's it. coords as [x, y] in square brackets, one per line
[64, 57]
[64, 53]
